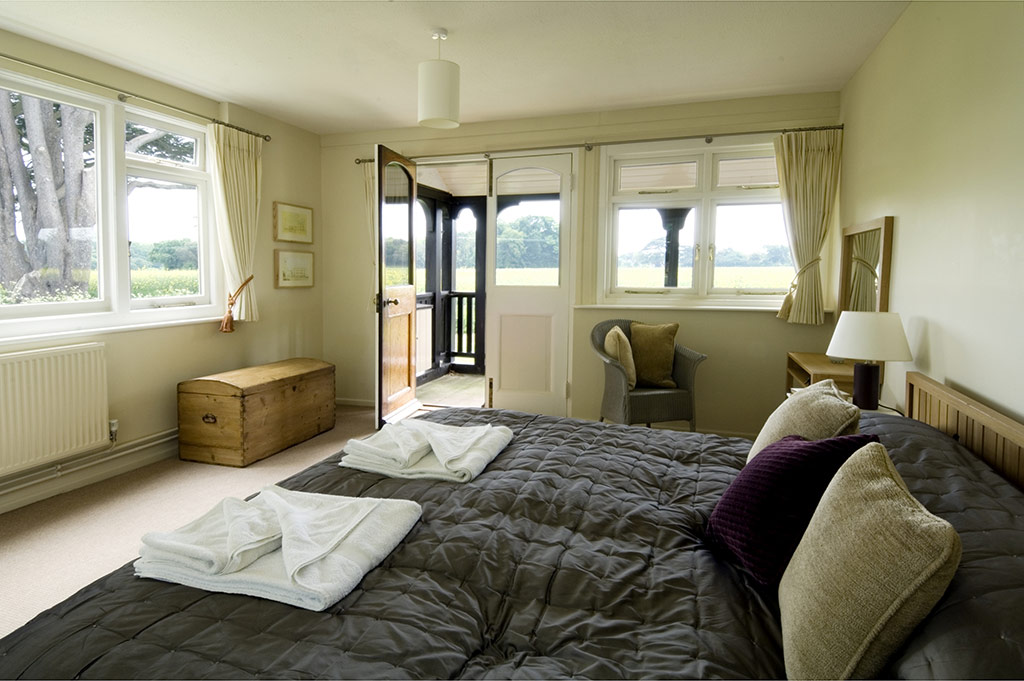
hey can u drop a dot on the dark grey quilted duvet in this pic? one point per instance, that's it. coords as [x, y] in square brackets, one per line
[579, 552]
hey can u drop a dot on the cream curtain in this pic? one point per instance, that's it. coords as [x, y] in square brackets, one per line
[867, 248]
[370, 194]
[808, 164]
[237, 168]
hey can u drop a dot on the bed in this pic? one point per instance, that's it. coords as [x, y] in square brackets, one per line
[580, 551]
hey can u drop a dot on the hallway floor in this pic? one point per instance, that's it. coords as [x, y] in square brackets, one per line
[453, 390]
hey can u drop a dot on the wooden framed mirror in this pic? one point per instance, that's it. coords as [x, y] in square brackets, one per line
[865, 265]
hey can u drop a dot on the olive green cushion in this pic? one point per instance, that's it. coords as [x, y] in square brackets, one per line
[654, 348]
[871, 565]
[817, 412]
[617, 346]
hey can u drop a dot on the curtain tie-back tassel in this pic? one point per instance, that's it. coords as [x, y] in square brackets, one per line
[868, 267]
[804, 269]
[787, 302]
[227, 325]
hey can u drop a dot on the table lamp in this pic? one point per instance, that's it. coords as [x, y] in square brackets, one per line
[874, 337]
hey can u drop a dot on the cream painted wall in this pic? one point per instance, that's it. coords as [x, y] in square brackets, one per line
[145, 366]
[741, 383]
[935, 137]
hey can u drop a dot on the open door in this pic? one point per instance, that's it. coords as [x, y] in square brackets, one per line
[396, 291]
[528, 289]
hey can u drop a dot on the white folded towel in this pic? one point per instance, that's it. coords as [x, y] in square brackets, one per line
[457, 453]
[226, 538]
[326, 544]
[399, 447]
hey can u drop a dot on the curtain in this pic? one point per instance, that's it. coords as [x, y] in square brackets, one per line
[370, 194]
[808, 164]
[867, 248]
[237, 168]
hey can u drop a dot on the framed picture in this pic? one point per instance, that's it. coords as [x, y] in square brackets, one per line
[293, 269]
[293, 223]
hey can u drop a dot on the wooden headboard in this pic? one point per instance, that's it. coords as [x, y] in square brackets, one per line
[993, 437]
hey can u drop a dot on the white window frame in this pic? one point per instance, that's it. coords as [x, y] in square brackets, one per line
[114, 309]
[196, 175]
[704, 199]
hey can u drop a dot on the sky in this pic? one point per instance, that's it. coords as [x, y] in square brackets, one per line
[162, 215]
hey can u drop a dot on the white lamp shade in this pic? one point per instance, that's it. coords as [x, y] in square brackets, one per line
[439, 94]
[875, 336]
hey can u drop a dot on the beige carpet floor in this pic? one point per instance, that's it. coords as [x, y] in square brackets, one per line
[52, 548]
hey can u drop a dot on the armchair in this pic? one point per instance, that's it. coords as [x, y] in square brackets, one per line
[643, 404]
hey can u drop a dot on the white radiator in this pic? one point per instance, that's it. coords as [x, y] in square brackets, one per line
[53, 404]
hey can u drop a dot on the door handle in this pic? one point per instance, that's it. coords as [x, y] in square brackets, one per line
[391, 301]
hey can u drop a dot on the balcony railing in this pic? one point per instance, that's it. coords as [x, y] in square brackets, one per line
[463, 325]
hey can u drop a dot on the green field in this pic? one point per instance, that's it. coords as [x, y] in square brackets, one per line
[154, 283]
[146, 283]
[777, 277]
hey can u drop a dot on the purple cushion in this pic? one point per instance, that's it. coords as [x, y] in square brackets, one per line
[763, 514]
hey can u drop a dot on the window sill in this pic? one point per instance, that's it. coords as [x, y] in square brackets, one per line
[679, 305]
[750, 303]
[101, 324]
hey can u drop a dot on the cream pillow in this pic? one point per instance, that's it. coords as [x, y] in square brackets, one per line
[817, 412]
[616, 345]
[871, 565]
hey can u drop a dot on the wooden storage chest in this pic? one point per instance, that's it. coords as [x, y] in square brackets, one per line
[237, 417]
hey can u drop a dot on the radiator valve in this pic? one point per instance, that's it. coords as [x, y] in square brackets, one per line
[113, 430]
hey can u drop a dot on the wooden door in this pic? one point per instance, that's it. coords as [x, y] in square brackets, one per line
[396, 298]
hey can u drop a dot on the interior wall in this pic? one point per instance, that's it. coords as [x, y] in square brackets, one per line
[145, 366]
[934, 137]
[744, 379]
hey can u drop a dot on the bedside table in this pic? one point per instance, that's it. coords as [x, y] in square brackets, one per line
[805, 368]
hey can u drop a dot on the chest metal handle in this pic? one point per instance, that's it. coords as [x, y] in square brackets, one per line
[209, 418]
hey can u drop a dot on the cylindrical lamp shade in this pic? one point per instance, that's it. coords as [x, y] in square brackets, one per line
[439, 94]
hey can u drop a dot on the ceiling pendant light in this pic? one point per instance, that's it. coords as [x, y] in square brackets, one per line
[439, 89]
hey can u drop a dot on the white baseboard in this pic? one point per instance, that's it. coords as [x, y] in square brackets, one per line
[345, 402]
[35, 485]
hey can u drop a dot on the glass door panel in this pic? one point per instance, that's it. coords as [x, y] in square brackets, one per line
[528, 228]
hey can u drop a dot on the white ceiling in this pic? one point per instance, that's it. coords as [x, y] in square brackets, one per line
[332, 67]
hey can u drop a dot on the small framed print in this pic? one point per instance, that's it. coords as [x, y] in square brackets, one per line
[293, 269]
[293, 223]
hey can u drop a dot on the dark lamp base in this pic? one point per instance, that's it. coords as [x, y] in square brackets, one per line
[865, 385]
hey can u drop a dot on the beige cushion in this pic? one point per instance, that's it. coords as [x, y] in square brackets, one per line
[654, 348]
[814, 413]
[871, 565]
[616, 345]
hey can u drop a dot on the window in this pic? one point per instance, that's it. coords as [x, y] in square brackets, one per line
[465, 251]
[104, 215]
[527, 228]
[693, 223]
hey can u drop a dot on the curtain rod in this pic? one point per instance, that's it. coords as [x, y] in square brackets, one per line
[707, 138]
[590, 145]
[122, 95]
